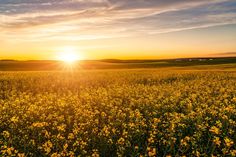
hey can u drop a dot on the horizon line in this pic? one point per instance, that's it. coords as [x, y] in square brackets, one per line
[131, 59]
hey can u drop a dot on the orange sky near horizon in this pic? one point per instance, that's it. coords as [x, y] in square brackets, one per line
[105, 29]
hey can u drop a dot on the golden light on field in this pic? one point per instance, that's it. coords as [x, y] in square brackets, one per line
[69, 55]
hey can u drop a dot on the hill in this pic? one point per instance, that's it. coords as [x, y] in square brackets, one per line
[44, 65]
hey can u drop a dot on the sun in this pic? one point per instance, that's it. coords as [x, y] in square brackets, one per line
[69, 55]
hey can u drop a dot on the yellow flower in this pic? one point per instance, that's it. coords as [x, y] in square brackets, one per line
[187, 138]
[234, 99]
[40, 124]
[95, 153]
[121, 141]
[233, 152]
[10, 151]
[65, 146]
[197, 153]
[60, 136]
[217, 141]
[184, 142]
[215, 130]
[14, 119]
[228, 142]
[156, 120]
[21, 155]
[151, 140]
[152, 151]
[6, 134]
[47, 147]
[55, 155]
[71, 136]
[61, 127]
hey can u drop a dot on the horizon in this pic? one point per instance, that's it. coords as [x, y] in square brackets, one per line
[130, 59]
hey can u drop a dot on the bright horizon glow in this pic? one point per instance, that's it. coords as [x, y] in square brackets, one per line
[69, 55]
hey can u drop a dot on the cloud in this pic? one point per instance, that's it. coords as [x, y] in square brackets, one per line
[94, 19]
[191, 18]
[225, 54]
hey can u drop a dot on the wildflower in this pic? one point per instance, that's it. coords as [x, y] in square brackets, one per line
[47, 146]
[71, 136]
[151, 151]
[217, 141]
[185, 141]
[40, 124]
[187, 138]
[156, 120]
[10, 151]
[233, 152]
[215, 130]
[61, 128]
[197, 153]
[55, 155]
[95, 153]
[21, 155]
[234, 99]
[65, 146]
[14, 119]
[6, 134]
[103, 114]
[60, 136]
[121, 141]
[228, 142]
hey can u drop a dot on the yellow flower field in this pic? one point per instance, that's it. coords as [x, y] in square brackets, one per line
[118, 113]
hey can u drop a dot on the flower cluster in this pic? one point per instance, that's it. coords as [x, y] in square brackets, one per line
[126, 113]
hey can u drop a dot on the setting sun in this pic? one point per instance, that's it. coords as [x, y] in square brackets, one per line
[69, 55]
[68, 58]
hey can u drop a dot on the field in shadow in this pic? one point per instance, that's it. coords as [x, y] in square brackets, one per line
[197, 63]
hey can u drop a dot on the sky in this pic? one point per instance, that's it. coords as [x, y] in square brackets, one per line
[120, 29]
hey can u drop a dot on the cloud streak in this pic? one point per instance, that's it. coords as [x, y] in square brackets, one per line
[225, 54]
[94, 19]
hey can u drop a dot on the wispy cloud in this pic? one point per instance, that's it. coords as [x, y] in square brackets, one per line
[94, 19]
[225, 54]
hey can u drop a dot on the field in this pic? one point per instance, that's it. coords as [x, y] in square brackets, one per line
[223, 63]
[123, 112]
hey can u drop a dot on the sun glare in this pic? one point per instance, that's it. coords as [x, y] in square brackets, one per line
[69, 55]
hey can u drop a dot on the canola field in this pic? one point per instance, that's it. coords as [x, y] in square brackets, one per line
[118, 113]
